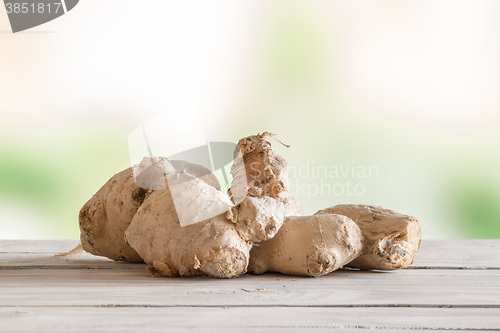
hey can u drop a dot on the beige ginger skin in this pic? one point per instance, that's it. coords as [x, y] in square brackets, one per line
[222, 249]
[107, 215]
[293, 208]
[212, 247]
[261, 169]
[179, 222]
[391, 239]
[308, 246]
[218, 246]
[305, 245]
[258, 219]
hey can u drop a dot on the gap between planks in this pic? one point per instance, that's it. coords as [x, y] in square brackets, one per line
[245, 319]
[85, 267]
[326, 306]
[434, 254]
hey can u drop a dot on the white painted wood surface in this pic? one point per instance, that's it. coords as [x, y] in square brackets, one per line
[454, 284]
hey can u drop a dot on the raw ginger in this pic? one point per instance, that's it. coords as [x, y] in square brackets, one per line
[218, 246]
[262, 171]
[259, 171]
[212, 247]
[107, 215]
[391, 239]
[173, 216]
[258, 219]
[308, 246]
[305, 245]
[389, 244]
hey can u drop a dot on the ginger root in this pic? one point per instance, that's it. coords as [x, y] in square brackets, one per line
[391, 239]
[308, 246]
[173, 216]
[218, 246]
[262, 170]
[107, 215]
[211, 247]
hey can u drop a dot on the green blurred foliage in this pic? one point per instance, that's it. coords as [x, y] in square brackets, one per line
[424, 170]
[295, 45]
[55, 172]
[447, 178]
[30, 180]
[475, 208]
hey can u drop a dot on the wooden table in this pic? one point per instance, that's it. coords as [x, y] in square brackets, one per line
[454, 284]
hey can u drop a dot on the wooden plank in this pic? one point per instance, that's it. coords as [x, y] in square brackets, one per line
[453, 284]
[434, 254]
[10, 261]
[249, 319]
[459, 253]
[37, 246]
[93, 287]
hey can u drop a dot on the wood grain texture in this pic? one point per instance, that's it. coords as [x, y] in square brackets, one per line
[249, 319]
[37, 246]
[451, 280]
[84, 287]
[459, 253]
[434, 254]
[11, 261]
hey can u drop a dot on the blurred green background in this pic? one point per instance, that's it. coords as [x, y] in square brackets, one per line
[408, 88]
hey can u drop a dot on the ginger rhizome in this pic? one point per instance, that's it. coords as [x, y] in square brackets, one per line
[305, 245]
[263, 168]
[309, 246]
[213, 246]
[259, 171]
[213, 239]
[173, 216]
[182, 224]
[391, 239]
[107, 215]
